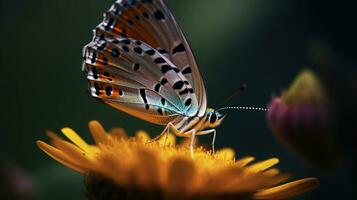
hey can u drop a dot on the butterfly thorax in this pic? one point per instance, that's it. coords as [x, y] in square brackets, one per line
[210, 120]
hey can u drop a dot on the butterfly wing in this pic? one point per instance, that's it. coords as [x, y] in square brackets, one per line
[152, 22]
[131, 76]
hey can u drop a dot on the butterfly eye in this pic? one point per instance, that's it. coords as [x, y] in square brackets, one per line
[213, 118]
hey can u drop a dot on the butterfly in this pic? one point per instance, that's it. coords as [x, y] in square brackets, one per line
[139, 62]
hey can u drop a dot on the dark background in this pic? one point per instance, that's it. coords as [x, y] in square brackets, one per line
[263, 44]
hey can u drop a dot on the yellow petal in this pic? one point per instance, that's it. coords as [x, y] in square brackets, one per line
[147, 176]
[288, 190]
[54, 138]
[225, 154]
[182, 176]
[263, 165]
[272, 172]
[112, 169]
[59, 156]
[223, 179]
[117, 133]
[81, 157]
[98, 132]
[142, 136]
[76, 139]
[244, 161]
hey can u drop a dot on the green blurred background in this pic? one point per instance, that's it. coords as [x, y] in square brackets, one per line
[263, 44]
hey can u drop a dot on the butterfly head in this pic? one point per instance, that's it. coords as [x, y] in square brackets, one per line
[213, 118]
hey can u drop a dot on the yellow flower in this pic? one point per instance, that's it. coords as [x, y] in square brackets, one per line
[118, 167]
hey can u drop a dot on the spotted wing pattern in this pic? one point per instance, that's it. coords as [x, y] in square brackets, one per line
[139, 62]
[133, 77]
[151, 21]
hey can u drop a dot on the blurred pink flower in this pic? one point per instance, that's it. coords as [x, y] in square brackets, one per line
[300, 119]
[15, 184]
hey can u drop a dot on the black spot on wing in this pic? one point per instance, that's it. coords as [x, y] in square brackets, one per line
[94, 57]
[125, 48]
[146, 15]
[126, 41]
[102, 37]
[163, 101]
[178, 48]
[157, 87]
[185, 91]
[102, 46]
[159, 15]
[150, 52]
[115, 53]
[105, 61]
[160, 111]
[187, 70]
[136, 66]
[138, 50]
[109, 24]
[162, 51]
[175, 69]
[143, 95]
[159, 60]
[188, 102]
[165, 68]
[108, 90]
[97, 88]
[120, 93]
[163, 81]
[178, 85]
[95, 73]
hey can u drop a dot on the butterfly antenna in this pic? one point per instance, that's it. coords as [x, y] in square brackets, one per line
[237, 92]
[242, 108]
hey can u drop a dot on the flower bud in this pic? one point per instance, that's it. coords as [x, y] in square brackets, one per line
[300, 120]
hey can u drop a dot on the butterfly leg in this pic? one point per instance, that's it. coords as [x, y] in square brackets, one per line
[169, 128]
[213, 131]
[166, 130]
[193, 135]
